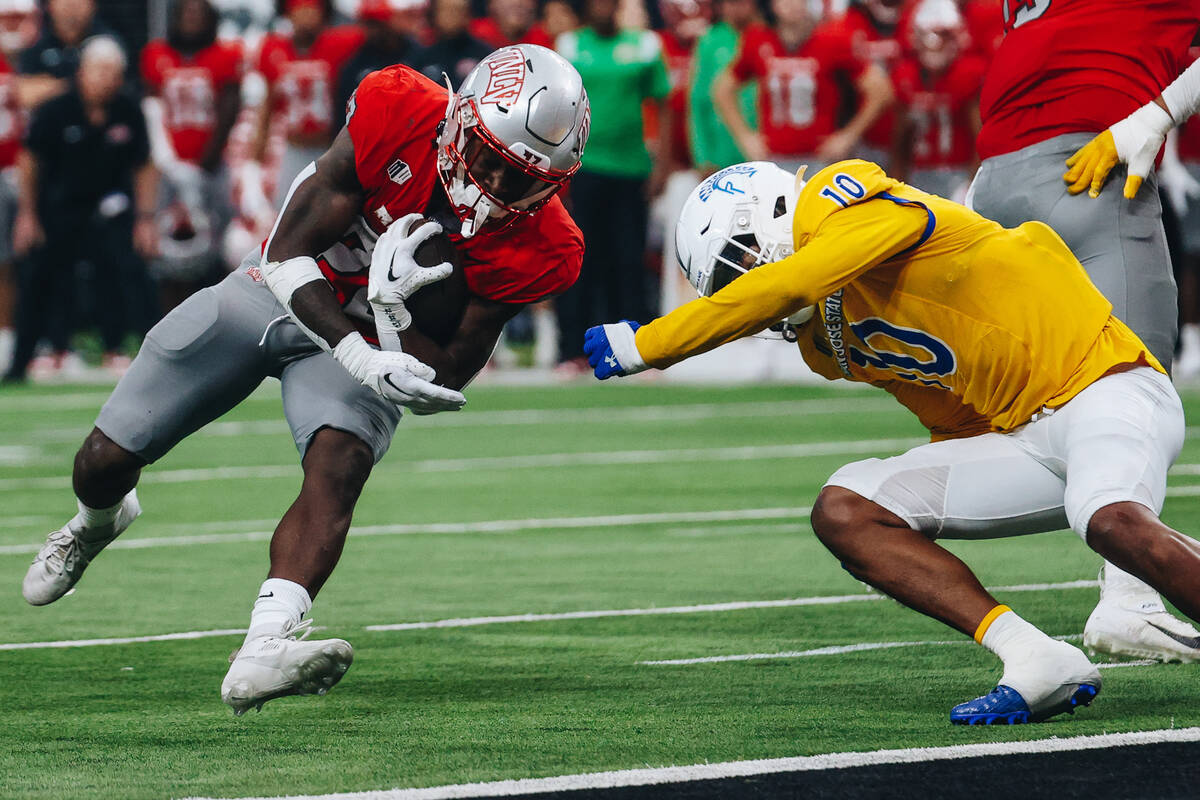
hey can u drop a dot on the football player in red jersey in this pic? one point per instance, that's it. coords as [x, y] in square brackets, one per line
[333, 276]
[798, 65]
[1066, 71]
[875, 29]
[301, 71]
[193, 97]
[937, 103]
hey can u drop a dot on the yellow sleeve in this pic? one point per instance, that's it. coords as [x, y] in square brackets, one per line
[845, 245]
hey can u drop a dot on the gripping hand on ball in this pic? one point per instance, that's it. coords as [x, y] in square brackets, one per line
[611, 349]
[395, 276]
[398, 377]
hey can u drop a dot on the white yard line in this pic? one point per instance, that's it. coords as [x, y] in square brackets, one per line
[574, 459]
[162, 637]
[495, 526]
[654, 776]
[468, 622]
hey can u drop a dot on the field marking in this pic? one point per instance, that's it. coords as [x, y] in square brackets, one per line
[825, 600]
[496, 526]
[466, 622]
[161, 637]
[653, 776]
[681, 412]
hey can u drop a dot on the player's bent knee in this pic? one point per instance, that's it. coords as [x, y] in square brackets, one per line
[1109, 523]
[839, 513]
[100, 458]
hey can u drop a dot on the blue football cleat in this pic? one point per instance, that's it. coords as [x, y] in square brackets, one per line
[1005, 706]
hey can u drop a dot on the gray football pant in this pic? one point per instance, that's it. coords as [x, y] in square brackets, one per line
[1120, 242]
[212, 351]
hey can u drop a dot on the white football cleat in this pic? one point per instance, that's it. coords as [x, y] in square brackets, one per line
[268, 667]
[67, 552]
[1138, 626]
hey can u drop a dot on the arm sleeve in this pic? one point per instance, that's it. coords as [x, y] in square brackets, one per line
[846, 245]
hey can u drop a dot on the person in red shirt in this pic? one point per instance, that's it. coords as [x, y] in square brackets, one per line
[937, 103]
[686, 21]
[510, 22]
[301, 71]
[798, 65]
[18, 30]
[1066, 71]
[193, 97]
[334, 274]
[875, 30]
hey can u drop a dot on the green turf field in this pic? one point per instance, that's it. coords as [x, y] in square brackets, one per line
[594, 498]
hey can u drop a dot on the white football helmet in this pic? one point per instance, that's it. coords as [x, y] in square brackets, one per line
[513, 136]
[739, 218]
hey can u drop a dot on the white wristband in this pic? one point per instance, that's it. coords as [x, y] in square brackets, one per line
[1183, 95]
[285, 277]
[621, 338]
[353, 353]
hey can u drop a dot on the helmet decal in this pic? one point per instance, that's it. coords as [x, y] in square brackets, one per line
[506, 77]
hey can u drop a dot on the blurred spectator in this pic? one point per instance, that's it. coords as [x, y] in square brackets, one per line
[193, 86]
[712, 144]
[454, 51]
[620, 70]
[510, 22]
[1183, 191]
[937, 112]
[88, 192]
[799, 65]
[18, 30]
[47, 66]
[558, 17]
[686, 21]
[392, 28]
[873, 27]
[301, 70]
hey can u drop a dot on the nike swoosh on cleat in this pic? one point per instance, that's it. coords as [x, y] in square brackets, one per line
[268, 594]
[1187, 641]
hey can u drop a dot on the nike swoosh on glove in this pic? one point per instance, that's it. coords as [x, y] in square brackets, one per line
[611, 349]
[395, 276]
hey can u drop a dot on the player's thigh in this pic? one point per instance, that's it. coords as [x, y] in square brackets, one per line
[319, 393]
[1118, 438]
[198, 362]
[982, 487]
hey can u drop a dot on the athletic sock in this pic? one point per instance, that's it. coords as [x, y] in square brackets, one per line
[1010, 637]
[96, 519]
[281, 604]
[1129, 591]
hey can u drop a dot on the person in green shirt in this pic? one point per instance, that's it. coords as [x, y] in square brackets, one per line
[713, 146]
[621, 70]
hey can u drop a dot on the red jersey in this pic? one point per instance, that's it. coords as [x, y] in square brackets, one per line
[1078, 66]
[12, 123]
[940, 110]
[394, 117]
[798, 91]
[985, 25]
[872, 45]
[678, 57]
[304, 82]
[485, 28]
[188, 87]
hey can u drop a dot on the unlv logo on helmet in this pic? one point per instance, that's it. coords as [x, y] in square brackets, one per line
[507, 76]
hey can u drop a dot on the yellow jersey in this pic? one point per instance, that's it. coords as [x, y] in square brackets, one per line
[972, 326]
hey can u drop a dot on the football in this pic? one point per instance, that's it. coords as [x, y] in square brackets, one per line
[437, 309]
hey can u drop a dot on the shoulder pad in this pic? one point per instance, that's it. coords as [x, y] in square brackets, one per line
[838, 186]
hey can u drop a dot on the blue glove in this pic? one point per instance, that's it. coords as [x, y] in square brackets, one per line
[611, 349]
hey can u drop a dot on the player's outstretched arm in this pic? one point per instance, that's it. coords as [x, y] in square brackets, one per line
[1135, 140]
[323, 202]
[470, 348]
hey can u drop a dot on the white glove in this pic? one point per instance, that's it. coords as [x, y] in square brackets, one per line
[396, 376]
[1175, 179]
[1133, 141]
[395, 276]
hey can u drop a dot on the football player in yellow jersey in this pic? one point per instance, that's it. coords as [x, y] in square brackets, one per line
[1045, 410]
